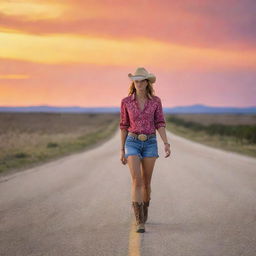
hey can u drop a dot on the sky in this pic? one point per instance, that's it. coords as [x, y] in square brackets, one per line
[79, 52]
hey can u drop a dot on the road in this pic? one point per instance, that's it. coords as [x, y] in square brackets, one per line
[203, 202]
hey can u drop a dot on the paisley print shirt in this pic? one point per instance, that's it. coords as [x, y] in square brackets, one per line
[145, 121]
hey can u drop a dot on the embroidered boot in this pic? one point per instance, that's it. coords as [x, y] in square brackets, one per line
[145, 210]
[139, 216]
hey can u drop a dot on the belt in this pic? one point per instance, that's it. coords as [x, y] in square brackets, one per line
[142, 136]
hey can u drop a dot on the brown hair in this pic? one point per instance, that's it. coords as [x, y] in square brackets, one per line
[149, 89]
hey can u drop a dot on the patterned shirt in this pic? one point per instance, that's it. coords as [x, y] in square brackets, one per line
[145, 121]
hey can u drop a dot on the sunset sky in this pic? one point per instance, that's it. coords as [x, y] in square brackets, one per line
[79, 52]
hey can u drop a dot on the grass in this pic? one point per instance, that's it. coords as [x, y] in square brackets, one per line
[227, 143]
[34, 138]
[29, 139]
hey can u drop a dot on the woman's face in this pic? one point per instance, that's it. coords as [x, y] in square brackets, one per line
[140, 84]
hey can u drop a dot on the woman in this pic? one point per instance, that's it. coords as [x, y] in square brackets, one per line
[141, 114]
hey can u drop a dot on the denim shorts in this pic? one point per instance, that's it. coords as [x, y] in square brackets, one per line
[147, 148]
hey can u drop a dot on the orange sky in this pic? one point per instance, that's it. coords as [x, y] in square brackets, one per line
[67, 53]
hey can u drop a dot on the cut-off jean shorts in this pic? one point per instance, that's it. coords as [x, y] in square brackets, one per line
[147, 148]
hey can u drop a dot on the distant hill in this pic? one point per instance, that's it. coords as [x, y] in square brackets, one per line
[197, 108]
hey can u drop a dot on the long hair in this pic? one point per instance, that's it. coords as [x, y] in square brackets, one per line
[149, 89]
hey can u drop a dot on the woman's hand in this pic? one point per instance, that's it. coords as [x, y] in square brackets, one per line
[167, 150]
[122, 157]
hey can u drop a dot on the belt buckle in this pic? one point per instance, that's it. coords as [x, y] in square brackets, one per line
[142, 137]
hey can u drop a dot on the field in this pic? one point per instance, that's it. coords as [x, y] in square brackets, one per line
[227, 119]
[231, 132]
[32, 138]
[27, 139]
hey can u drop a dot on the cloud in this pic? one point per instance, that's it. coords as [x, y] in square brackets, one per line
[91, 50]
[32, 10]
[226, 25]
[14, 76]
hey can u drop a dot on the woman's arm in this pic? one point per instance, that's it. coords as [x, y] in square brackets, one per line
[123, 124]
[160, 122]
[161, 130]
[162, 133]
[123, 137]
[160, 125]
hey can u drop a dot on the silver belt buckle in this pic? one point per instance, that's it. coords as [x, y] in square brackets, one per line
[142, 137]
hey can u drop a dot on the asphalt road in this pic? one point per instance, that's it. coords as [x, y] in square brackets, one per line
[203, 202]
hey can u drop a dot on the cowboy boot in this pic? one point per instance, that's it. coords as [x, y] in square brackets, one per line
[145, 207]
[139, 216]
[145, 210]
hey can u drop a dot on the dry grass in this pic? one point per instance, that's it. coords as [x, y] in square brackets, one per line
[29, 138]
[228, 119]
[223, 142]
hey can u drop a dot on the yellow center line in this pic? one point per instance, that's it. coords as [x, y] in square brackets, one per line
[134, 241]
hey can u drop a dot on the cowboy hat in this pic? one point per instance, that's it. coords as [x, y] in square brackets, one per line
[141, 74]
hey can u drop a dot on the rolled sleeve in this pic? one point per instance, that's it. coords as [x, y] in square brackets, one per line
[124, 117]
[159, 116]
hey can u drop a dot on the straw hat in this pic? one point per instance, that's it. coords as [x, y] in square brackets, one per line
[141, 74]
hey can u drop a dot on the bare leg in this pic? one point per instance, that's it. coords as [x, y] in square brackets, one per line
[147, 167]
[134, 163]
